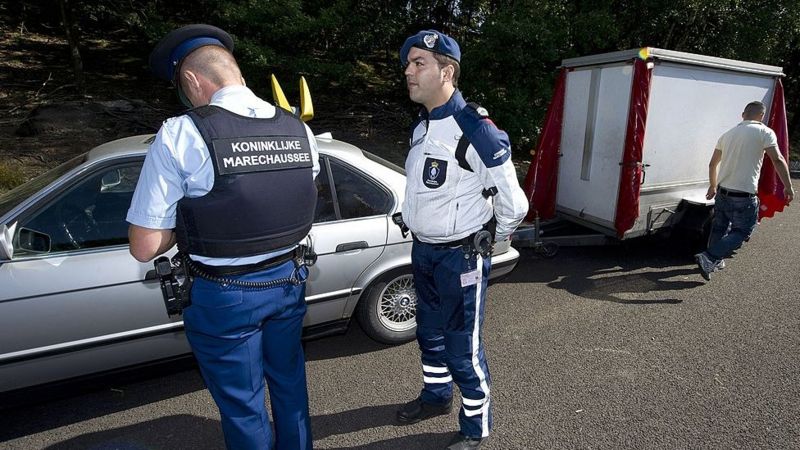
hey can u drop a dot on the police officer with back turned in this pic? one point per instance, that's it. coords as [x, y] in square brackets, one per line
[232, 182]
[462, 194]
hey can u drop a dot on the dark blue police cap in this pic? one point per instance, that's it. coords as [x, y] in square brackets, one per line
[433, 41]
[169, 52]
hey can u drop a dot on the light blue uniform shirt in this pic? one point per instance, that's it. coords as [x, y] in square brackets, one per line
[178, 165]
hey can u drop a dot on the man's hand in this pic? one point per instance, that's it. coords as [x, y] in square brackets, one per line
[788, 194]
[397, 218]
[712, 192]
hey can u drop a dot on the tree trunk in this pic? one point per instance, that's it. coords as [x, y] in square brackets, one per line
[72, 39]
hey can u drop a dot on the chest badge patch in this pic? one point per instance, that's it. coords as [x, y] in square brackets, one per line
[435, 173]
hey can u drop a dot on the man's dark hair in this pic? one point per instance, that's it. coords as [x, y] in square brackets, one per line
[443, 61]
[754, 109]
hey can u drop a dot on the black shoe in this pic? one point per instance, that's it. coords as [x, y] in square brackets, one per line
[416, 410]
[461, 442]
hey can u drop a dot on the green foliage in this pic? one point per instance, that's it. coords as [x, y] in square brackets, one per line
[10, 177]
[511, 48]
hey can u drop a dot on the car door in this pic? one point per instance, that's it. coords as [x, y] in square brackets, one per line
[349, 234]
[73, 300]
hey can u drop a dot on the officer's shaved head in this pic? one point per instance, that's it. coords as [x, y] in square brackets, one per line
[215, 63]
[754, 111]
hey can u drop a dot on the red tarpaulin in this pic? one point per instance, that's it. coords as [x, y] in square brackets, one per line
[770, 187]
[631, 173]
[541, 182]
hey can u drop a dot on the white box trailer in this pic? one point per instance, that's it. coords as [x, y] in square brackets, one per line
[628, 137]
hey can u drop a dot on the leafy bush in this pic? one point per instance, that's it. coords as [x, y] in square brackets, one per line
[511, 49]
[10, 177]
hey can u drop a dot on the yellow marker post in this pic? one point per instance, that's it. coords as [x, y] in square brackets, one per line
[306, 105]
[278, 95]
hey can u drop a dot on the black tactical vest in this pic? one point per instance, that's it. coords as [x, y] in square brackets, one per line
[263, 197]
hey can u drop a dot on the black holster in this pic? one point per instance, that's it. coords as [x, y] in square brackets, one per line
[176, 283]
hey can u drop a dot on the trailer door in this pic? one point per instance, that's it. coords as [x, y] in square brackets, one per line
[592, 140]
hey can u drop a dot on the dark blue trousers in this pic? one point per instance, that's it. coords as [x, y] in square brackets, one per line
[451, 292]
[242, 336]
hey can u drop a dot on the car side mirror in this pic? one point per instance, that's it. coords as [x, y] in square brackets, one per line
[110, 180]
[34, 241]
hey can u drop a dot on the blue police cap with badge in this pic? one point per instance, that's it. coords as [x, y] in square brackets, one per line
[170, 51]
[433, 41]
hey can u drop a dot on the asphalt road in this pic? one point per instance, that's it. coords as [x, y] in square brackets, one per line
[599, 348]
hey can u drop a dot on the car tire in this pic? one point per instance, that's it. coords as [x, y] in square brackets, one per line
[387, 310]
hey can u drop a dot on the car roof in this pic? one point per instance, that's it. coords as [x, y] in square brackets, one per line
[138, 145]
[129, 146]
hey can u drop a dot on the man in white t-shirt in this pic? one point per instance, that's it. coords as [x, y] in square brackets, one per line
[739, 154]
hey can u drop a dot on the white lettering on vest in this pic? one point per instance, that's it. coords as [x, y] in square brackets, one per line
[264, 146]
[261, 160]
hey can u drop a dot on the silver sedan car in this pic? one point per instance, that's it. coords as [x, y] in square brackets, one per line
[73, 302]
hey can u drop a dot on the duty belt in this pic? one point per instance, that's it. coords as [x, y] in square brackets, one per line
[224, 271]
[467, 241]
[452, 244]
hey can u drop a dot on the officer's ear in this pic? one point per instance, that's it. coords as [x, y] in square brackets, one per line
[447, 73]
[192, 88]
[190, 81]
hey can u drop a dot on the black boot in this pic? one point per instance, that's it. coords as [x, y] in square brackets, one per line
[417, 410]
[461, 442]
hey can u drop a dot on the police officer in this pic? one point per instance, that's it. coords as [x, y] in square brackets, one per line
[232, 181]
[458, 158]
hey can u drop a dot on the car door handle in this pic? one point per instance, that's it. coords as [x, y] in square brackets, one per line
[150, 275]
[351, 246]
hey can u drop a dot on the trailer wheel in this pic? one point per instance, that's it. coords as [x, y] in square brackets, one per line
[692, 232]
[547, 249]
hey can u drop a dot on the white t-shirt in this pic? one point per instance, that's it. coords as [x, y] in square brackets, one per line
[742, 150]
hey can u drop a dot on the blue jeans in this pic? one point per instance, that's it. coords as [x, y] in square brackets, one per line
[734, 221]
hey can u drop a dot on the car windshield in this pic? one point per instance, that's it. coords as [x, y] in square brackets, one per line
[15, 196]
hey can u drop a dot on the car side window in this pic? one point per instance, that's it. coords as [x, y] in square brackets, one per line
[326, 210]
[357, 195]
[90, 214]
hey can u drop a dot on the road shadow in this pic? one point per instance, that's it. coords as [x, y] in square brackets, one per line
[354, 420]
[68, 403]
[46, 408]
[612, 273]
[201, 433]
[165, 433]
[353, 342]
[424, 441]
[186, 431]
